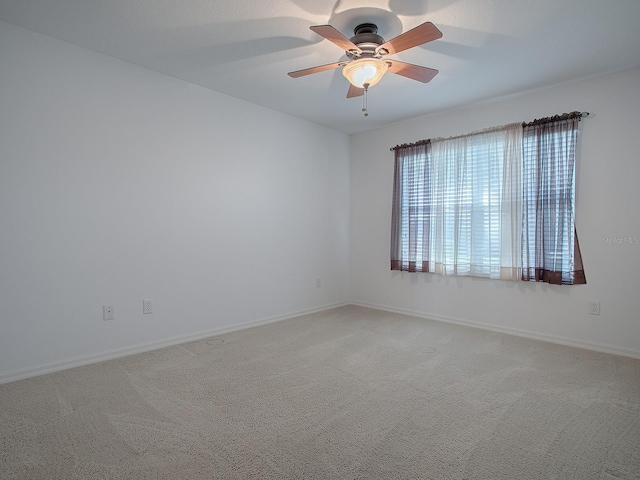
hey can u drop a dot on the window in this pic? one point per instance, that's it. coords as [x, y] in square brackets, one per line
[496, 204]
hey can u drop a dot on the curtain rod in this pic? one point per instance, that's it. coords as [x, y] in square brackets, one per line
[556, 118]
[580, 116]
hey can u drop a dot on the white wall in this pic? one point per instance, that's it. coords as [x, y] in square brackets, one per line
[119, 184]
[608, 200]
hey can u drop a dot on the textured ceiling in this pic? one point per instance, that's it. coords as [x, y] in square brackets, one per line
[244, 48]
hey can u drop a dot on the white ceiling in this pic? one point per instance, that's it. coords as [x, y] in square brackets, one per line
[244, 48]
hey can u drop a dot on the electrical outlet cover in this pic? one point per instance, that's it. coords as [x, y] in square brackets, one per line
[107, 312]
[147, 306]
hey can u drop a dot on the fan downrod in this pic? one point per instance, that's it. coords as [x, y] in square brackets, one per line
[365, 28]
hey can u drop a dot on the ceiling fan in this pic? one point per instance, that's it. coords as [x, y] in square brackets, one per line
[367, 52]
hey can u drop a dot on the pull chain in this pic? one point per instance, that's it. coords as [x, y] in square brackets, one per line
[364, 100]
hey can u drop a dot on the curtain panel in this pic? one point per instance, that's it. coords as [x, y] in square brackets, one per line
[410, 212]
[550, 241]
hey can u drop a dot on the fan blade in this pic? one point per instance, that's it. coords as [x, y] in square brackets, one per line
[419, 35]
[333, 35]
[321, 68]
[414, 72]
[354, 91]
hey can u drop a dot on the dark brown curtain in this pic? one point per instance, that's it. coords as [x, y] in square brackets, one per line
[551, 252]
[409, 215]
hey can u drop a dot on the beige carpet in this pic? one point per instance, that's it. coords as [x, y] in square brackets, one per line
[349, 393]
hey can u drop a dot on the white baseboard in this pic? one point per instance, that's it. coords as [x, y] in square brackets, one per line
[57, 366]
[570, 342]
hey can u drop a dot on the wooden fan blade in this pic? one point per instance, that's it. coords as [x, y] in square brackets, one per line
[419, 35]
[333, 35]
[321, 68]
[355, 91]
[414, 72]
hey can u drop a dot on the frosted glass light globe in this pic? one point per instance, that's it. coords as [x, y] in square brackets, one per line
[365, 70]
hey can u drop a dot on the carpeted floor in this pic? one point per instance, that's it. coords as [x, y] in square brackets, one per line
[349, 393]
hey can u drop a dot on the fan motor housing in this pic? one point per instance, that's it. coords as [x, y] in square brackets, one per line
[366, 37]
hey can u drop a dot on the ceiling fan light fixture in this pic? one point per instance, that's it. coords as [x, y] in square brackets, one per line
[365, 71]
